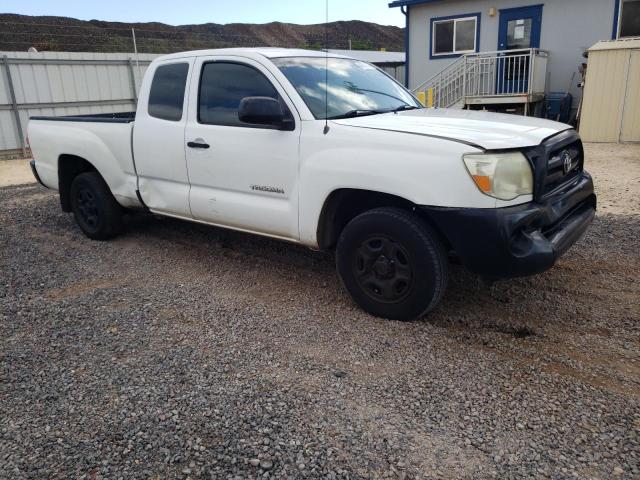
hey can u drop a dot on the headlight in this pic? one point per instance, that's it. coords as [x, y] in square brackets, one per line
[501, 175]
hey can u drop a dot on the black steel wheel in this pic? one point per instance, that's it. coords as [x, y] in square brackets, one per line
[96, 211]
[87, 207]
[392, 263]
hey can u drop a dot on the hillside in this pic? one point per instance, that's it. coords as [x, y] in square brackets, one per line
[19, 32]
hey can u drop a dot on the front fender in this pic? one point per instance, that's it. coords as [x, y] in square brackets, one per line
[420, 169]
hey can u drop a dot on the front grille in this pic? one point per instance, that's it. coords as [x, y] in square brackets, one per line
[556, 175]
[548, 160]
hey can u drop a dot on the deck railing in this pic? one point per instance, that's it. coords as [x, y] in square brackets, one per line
[488, 74]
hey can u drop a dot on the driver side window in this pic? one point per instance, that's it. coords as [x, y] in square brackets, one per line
[223, 85]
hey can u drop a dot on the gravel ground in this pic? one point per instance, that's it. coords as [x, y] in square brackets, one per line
[183, 351]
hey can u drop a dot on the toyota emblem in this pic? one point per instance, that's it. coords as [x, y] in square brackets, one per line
[567, 162]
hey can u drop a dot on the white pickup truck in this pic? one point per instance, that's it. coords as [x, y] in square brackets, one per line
[271, 141]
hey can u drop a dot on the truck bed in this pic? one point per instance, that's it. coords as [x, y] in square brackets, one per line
[102, 140]
[120, 117]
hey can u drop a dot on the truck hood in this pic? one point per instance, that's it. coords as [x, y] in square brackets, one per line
[483, 129]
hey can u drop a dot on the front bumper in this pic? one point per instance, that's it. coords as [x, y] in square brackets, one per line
[521, 240]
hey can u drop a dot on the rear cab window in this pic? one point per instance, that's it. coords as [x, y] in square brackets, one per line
[166, 97]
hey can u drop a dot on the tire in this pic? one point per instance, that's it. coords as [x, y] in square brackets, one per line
[95, 209]
[392, 264]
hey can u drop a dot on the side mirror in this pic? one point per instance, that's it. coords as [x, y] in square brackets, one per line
[263, 111]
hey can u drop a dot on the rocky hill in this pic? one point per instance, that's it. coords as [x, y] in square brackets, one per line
[20, 32]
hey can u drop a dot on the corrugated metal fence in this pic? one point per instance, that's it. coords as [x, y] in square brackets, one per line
[61, 83]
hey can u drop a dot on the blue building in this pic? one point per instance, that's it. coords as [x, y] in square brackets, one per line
[476, 53]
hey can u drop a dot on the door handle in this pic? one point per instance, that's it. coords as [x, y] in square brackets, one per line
[197, 145]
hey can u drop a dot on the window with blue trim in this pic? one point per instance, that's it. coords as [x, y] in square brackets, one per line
[629, 21]
[454, 35]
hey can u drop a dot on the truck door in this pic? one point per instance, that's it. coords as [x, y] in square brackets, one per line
[242, 176]
[158, 138]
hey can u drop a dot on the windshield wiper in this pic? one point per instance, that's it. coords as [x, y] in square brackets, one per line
[364, 112]
[403, 108]
[356, 113]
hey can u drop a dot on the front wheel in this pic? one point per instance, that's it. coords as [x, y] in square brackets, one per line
[96, 211]
[392, 263]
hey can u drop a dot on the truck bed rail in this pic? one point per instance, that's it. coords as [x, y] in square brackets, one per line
[120, 117]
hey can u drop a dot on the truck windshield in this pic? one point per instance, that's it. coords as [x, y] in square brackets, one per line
[355, 88]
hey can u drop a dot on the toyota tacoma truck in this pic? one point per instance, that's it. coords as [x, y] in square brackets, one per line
[332, 153]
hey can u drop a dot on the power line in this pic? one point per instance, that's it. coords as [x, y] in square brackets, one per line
[107, 37]
[93, 42]
[169, 30]
[171, 39]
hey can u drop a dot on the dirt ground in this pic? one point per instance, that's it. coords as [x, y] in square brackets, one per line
[616, 170]
[15, 172]
[184, 351]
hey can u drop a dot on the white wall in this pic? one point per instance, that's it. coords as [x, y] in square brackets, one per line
[569, 27]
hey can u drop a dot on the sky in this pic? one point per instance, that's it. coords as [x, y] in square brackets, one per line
[210, 11]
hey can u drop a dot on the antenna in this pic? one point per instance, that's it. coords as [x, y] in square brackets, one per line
[326, 68]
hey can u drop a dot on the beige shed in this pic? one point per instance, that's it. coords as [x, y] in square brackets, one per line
[611, 101]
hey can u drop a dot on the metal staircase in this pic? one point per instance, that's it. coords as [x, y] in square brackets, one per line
[488, 78]
[446, 87]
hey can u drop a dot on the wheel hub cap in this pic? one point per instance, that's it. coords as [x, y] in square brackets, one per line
[382, 269]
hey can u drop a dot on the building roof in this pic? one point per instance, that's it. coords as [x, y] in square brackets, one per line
[402, 3]
[274, 52]
[268, 52]
[621, 43]
[372, 56]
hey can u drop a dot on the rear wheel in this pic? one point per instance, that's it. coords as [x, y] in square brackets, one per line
[96, 211]
[392, 263]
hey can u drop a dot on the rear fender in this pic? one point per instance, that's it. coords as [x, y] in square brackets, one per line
[105, 146]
